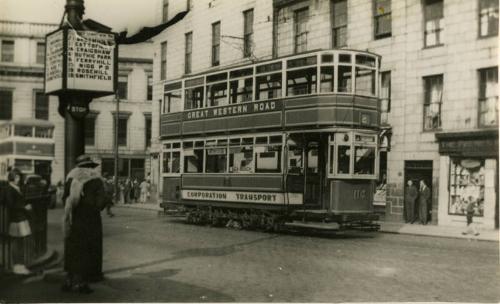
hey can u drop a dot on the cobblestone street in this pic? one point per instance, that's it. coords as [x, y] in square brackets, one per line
[149, 259]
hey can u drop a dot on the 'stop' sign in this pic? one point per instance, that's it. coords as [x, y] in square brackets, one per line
[80, 60]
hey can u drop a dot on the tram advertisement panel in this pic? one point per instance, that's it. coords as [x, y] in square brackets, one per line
[273, 198]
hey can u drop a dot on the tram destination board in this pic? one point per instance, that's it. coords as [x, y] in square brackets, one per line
[80, 61]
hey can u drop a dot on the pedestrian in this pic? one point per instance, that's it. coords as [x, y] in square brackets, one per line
[136, 191]
[127, 189]
[469, 215]
[84, 197]
[411, 195]
[19, 227]
[144, 191]
[424, 197]
[108, 187]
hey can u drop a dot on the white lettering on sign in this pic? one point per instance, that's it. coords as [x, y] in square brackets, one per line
[54, 62]
[243, 196]
[90, 61]
[263, 106]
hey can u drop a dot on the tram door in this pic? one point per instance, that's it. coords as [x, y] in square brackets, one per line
[306, 168]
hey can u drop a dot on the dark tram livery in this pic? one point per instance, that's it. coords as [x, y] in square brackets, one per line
[287, 141]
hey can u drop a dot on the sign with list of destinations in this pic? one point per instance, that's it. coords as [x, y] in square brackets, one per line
[80, 61]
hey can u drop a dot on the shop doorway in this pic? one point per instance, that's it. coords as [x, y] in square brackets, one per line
[417, 170]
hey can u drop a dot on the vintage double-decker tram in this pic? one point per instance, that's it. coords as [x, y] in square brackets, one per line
[287, 141]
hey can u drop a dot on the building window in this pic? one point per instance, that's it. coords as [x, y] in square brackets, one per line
[5, 104]
[188, 52]
[385, 96]
[40, 52]
[147, 125]
[466, 186]
[122, 130]
[488, 97]
[382, 18]
[434, 23]
[488, 18]
[300, 21]
[41, 105]
[339, 23]
[164, 17]
[150, 88]
[163, 67]
[7, 51]
[89, 125]
[432, 103]
[123, 87]
[247, 33]
[215, 43]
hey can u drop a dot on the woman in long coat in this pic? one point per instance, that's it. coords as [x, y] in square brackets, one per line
[84, 197]
[19, 227]
[411, 195]
[423, 201]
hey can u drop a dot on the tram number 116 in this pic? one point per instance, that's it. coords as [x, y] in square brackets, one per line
[359, 194]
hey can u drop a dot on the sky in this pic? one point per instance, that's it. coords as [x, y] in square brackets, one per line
[117, 14]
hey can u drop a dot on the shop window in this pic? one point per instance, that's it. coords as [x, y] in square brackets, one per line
[41, 105]
[300, 20]
[326, 79]
[215, 43]
[488, 18]
[217, 94]
[268, 86]
[268, 159]
[247, 33]
[488, 97]
[241, 159]
[241, 90]
[216, 159]
[344, 79]
[172, 102]
[432, 103]
[7, 54]
[339, 23]
[382, 18]
[466, 186]
[301, 82]
[365, 81]
[385, 95]
[434, 23]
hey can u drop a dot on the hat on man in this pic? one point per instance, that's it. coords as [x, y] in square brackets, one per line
[84, 161]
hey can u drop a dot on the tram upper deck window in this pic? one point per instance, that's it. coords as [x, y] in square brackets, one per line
[172, 101]
[43, 132]
[301, 81]
[268, 86]
[326, 78]
[365, 81]
[25, 131]
[217, 94]
[241, 90]
[193, 94]
[344, 83]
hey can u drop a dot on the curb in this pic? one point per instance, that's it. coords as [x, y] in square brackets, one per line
[439, 235]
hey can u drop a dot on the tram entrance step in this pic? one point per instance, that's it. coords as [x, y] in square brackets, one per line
[313, 225]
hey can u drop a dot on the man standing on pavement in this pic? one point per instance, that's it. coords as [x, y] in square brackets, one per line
[144, 191]
[84, 198]
[411, 195]
[423, 201]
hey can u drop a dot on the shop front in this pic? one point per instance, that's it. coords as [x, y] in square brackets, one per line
[468, 176]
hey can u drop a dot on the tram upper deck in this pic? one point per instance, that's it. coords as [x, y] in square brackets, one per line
[312, 90]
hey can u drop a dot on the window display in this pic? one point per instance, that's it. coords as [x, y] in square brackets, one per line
[466, 186]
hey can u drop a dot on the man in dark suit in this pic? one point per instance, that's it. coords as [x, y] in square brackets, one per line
[423, 202]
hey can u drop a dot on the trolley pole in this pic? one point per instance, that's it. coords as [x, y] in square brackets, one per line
[116, 116]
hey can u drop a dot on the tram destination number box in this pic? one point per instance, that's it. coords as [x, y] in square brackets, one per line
[83, 61]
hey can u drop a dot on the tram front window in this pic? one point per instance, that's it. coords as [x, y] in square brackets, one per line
[343, 159]
[364, 160]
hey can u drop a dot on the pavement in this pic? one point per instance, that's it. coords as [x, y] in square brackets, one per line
[151, 258]
[491, 235]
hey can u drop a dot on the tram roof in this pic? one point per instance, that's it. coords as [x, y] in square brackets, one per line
[28, 122]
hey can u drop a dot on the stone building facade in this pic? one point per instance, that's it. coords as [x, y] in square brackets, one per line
[438, 85]
[22, 46]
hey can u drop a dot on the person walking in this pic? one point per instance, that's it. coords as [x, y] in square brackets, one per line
[411, 195]
[423, 201]
[144, 191]
[84, 197]
[19, 227]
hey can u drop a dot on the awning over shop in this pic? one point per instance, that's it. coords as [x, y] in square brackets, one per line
[475, 143]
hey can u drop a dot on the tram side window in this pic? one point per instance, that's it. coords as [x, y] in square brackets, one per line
[268, 86]
[268, 159]
[172, 102]
[326, 83]
[345, 79]
[365, 81]
[171, 162]
[217, 94]
[216, 160]
[343, 159]
[193, 160]
[241, 159]
[301, 82]
[241, 90]
[364, 160]
[194, 98]
[25, 131]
